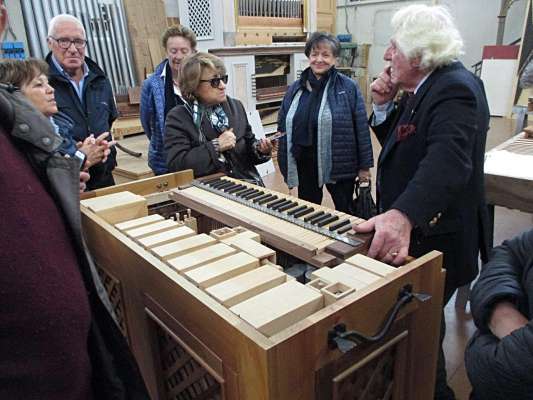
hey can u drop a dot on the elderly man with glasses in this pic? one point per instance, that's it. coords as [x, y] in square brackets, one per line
[82, 90]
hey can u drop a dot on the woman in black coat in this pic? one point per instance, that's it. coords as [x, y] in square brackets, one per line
[499, 357]
[210, 133]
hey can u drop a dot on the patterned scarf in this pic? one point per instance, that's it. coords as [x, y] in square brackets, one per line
[215, 114]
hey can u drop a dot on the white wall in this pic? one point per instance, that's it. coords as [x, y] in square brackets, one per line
[369, 22]
[171, 8]
[16, 22]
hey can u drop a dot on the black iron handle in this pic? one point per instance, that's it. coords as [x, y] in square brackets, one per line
[345, 340]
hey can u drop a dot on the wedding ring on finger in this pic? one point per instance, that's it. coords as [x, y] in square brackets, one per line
[394, 253]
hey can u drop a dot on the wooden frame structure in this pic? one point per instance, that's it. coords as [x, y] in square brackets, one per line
[184, 340]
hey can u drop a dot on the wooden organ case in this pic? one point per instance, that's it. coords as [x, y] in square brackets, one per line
[209, 315]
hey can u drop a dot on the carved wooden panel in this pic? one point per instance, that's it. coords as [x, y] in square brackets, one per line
[374, 373]
[371, 381]
[183, 377]
[113, 288]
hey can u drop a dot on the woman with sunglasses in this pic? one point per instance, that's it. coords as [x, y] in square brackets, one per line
[210, 133]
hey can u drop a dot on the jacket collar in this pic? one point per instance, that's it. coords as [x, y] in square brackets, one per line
[420, 94]
[94, 71]
[26, 118]
[430, 80]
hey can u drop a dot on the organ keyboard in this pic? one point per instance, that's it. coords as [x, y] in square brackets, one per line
[209, 314]
[295, 226]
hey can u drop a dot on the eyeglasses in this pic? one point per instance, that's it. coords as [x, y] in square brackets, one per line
[215, 82]
[65, 43]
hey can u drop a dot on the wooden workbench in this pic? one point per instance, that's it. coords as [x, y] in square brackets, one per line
[509, 175]
[126, 126]
[130, 168]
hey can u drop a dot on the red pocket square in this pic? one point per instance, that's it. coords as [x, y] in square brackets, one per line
[404, 131]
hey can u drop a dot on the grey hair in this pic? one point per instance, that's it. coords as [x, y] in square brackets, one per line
[526, 80]
[318, 38]
[428, 32]
[58, 19]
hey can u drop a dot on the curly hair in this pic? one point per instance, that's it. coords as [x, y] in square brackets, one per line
[178, 30]
[21, 72]
[428, 32]
[192, 68]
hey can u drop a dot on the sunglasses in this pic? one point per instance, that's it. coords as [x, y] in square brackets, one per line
[215, 82]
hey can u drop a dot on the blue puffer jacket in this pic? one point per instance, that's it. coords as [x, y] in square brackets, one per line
[351, 148]
[153, 118]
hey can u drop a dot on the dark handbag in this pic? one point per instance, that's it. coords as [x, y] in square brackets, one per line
[363, 205]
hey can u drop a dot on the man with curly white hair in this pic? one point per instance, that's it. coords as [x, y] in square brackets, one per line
[430, 189]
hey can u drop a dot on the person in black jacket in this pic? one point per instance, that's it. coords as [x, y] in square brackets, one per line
[82, 90]
[211, 133]
[430, 180]
[499, 357]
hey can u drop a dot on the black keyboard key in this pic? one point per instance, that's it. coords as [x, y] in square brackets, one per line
[254, 194]
[287, 206]
[234, 188]
[245, 192]
[313, 216]
[211, 182]
[269, 199]
[262, 197]
[328, 220]
[225, 184]
[344, 230]
[303, 212]
[319, 218]
[339, 224]
[284, 203]
[297, 209]
[275, 203]
[239, 192]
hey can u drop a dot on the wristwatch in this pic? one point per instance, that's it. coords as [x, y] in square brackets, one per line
[82, 157]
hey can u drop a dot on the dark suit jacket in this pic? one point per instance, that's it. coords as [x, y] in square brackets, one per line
[431, 169]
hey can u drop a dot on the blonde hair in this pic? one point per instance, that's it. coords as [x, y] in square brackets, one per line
[428, 32]
[191, 71]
